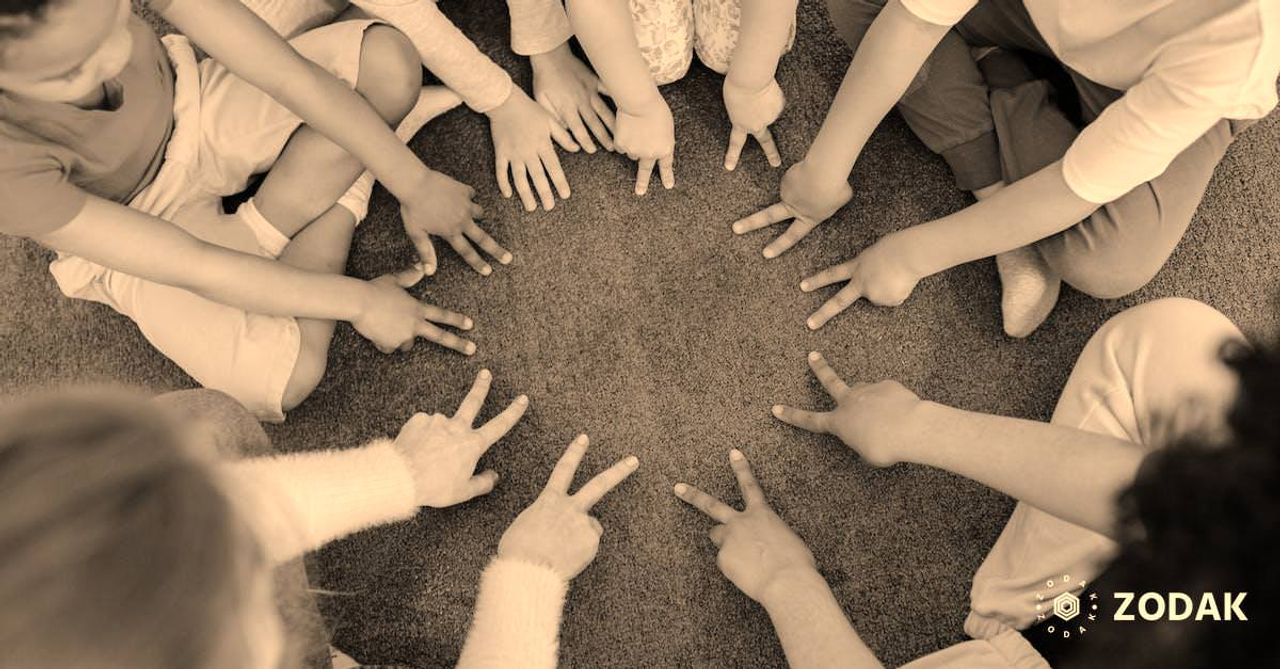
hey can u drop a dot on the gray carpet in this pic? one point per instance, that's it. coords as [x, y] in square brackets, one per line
[646, 323]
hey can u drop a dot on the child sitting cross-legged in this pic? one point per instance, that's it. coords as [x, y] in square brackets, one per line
[116, 148]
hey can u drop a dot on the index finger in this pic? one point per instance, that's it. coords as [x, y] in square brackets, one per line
[770, 147]
[841, 301]
[827, 376]
[643, 173]
[752, 494]
[502, 423]
[774, 213]
[607, 480]
[471, 404]
[562, 474]
[666, 167]
[737, 140]
[719, 511]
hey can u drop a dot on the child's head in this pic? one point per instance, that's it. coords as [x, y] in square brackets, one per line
[1202, 516]
[62, 50]
[118, 548]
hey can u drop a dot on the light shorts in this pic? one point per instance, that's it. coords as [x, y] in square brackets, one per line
[669, 32]
[226, 130]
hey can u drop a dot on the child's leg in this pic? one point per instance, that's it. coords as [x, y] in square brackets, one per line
[664, 30]
[945, 105]
[716, 24]
[1149, 373]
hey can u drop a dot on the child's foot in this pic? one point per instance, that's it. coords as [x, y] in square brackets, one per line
[1030, 290]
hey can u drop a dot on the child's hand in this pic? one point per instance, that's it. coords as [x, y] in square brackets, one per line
[648, 137]
[392, 319]
[881, 274]
[571, 92]
[556, 529]
[522, 133]
[445, 207]
[443, 450]
[873, 419]
[751, 113]
[756, 546]
[807, 197]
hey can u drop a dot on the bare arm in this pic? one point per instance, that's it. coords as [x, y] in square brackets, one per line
[811, 626]
[607, 33]
[762, 35]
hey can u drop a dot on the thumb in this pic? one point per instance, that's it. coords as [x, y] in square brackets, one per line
[426, 254]
[408, 278]
[481, 484]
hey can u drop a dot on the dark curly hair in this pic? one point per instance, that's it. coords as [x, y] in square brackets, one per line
[1203, 516]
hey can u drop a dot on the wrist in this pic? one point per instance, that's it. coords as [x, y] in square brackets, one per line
[552, 57]
[918, 255]
[647, 104]
[790, 584]
[924, 419]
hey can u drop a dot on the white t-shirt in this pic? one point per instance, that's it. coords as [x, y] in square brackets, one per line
[1184, 65]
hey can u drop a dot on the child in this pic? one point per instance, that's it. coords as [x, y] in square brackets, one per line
[643, 44]
[1168, 372]
[522, 130]
[131, 545]
[1100, 207]
[96, 113]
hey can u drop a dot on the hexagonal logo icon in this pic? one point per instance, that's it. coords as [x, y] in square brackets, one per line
[1066, 606]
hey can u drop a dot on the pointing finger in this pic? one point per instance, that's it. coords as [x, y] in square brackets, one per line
[471, 404]
[562, 474]
[775, 213]
[719, 511]
[643, 173]
[502, 423]
[828, 276]
[438, 315]
[770, 147]
[751, 492]
[666, 167]
[798, 229]
[805, 420]
[737, 139]
[607, 480]
[827, 376]
[431, 332]
[841, 301]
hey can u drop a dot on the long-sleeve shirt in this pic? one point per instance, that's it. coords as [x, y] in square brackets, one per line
[1184, 66]
[298, 502]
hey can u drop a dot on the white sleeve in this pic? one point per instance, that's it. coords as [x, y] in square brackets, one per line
[538, 26]
[517, 619]
[1006, 650]
[1134, 140]
[939, 12]
[301, 501]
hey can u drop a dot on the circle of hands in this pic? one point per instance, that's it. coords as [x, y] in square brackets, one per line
[568, 111]
[757, 550]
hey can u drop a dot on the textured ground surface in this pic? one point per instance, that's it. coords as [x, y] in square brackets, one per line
[644, 322]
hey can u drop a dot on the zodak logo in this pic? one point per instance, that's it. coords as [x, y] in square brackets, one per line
[1067, 607]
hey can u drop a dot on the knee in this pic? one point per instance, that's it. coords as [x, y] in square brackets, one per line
[307, 374]
[1108, 276]
[390, 72]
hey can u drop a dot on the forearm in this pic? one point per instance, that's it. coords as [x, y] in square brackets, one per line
[1073, 474]
[892, 52]
[607, 33]
[1022, 213]
[446, 50]
[762, 36]
[811, 625]
[517, 618]
[299, 502]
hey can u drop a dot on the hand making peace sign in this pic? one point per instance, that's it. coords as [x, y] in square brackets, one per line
[557, 530]
[756, 546]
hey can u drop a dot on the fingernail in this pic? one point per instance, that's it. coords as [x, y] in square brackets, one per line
[812, 323]
[680, 488]
[549, 206]
[486, 270]
[735, 455]
[471, 348]
[430, 270]
[496, 476]
[769, 253]
[729, 166]
[737, 229]
[484, 374]
[804, 285]
[467, 324]
[523, 399]
[814, 355]
[777, 410]
[506, 258]
[581, 439]
[633, 461]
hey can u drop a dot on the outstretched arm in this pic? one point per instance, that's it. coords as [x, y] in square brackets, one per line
[1073, 474]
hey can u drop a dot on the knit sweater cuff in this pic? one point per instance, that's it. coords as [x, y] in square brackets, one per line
[517, 618]
[538, 26]
[301, 501]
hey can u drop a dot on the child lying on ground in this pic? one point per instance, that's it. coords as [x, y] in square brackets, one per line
[116, 149]
[1100, 207]
[643, 44]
